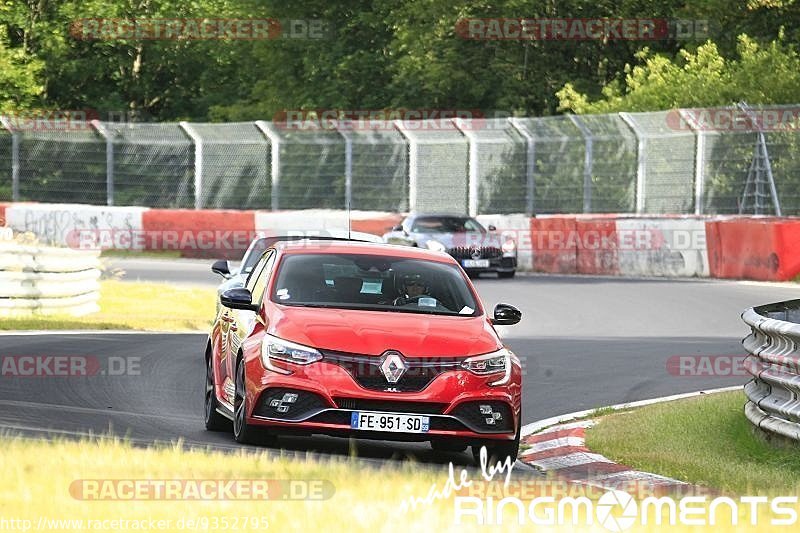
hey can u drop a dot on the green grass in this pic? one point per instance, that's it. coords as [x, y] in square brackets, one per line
[137, 306]
[704, 440]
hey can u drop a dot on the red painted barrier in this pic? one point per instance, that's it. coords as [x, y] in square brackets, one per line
[377, 226]
[597, 245]
[766, 249]
[553, 244]
[2, 214]
[207, 233]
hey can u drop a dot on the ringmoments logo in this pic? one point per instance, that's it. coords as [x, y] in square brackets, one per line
[617, 510]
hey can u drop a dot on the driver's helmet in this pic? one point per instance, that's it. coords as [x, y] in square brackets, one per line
[407, 280]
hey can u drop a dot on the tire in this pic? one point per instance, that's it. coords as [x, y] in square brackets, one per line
[506, 275]
[243, 432]
[447, 447]
[214, 421]
[497, 452]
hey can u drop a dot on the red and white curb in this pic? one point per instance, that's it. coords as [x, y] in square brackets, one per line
[561, 450]
[557, 446]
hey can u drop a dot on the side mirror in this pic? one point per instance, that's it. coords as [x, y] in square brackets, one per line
[398, 227]
[222, 268]
[238, 298]
[506, 315]
[491, 227]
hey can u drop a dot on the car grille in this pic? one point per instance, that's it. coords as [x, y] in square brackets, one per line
[465, 252]
[424, 408]
[366, 371]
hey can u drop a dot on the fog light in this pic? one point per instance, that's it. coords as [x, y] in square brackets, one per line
[485, 409]
[274, 403]
[490, 421]
[283, 408]
[289, 398]
[497, 416]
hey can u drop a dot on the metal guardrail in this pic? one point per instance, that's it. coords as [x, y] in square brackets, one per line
[47, 281]
[774, 363]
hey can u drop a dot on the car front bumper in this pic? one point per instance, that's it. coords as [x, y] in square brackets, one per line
[327, 395]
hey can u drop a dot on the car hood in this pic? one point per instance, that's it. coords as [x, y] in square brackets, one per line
[374, 332]
[452, 240]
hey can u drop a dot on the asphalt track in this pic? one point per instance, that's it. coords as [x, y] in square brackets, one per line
[585, 343]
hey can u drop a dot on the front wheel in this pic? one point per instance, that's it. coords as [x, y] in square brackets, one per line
[497, 452]
[214, 421]
[243, 432]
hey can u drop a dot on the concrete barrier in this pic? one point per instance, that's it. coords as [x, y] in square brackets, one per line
[759, 248]
[517, 227]
[75, 225]
[667, 247]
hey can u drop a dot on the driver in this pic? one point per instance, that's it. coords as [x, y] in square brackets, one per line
[413, 287]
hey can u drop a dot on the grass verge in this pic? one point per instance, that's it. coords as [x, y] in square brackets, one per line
[137, 306]
[704, 440]
[42, 479]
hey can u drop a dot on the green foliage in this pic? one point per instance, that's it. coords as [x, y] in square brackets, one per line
[758, 74]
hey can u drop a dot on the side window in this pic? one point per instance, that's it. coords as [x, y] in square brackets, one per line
[257, 281]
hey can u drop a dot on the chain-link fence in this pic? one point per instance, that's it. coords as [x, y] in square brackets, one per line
[692, 161]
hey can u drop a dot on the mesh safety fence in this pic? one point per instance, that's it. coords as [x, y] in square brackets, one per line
[379, 167]
[437, 165]
[500, 165]
[235, 167]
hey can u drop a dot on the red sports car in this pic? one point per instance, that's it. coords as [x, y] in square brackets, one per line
[363, 340]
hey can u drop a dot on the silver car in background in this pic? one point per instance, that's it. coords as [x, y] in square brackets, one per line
[476, 248]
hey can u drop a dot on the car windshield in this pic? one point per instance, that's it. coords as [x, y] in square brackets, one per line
[446, 225]
[374, 283]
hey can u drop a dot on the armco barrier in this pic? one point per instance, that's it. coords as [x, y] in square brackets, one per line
[774, 345]
[758, 248]
[41, 280]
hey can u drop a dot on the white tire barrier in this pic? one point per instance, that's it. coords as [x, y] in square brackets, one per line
[47, 281]
[774, 363]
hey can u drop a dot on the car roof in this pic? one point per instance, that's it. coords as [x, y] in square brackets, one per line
[311, 246]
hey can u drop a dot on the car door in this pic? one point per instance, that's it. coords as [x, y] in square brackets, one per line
[235, 324]
[242, 322]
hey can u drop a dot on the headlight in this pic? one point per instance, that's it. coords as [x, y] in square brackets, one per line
[282, 350]
[509, 246]
[436, 246]
[498, 362]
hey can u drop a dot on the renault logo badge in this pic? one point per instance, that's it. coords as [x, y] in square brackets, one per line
[393, 366]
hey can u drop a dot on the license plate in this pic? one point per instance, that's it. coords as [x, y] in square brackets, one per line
[475, 263]
[393, 422]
